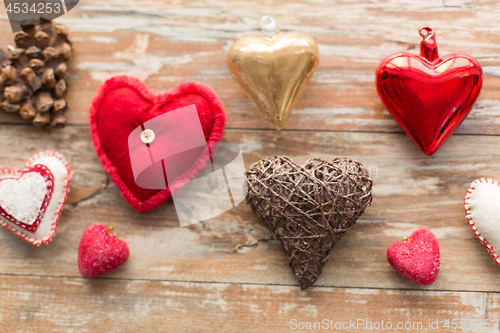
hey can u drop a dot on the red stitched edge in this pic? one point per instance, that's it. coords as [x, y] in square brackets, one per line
[145, 92]
[57, 214]
[468, 213]
[47, 176]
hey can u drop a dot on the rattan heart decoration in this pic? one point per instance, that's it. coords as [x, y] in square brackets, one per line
[308, 207]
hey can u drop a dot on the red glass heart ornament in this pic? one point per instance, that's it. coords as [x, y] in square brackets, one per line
[427, 95]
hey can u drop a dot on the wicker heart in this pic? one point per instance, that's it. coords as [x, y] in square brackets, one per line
[308, 207]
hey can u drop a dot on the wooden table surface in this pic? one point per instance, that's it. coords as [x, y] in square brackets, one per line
[227, 274]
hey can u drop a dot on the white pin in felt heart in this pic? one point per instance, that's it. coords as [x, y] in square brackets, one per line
[482, 209]
[31, 200]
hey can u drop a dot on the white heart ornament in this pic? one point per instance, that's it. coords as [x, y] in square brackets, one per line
[31, 200]
[482, 209]
[13, 196]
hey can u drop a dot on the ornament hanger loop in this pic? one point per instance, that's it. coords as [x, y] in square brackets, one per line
[269, 26]
[428, 45]
[426, 32]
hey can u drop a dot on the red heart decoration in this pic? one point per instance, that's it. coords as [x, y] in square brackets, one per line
[123, 103]
[417, 258]
[26, 213]
[427, 95]
[31, 200]
[100, 252]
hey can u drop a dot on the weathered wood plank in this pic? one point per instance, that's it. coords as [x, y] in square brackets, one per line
[101, 305]
[411, 190]
[166, 43]
[227, 274]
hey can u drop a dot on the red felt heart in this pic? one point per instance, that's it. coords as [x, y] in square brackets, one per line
[417, 258]
[428, 96]
[121, 105]
[100, 252]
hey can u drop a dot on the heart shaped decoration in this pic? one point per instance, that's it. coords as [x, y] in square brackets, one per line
[123, 104]
[429, 96]
[308, 207]
[274, 71]
[417, 257]
[100, 251]
[31, 200]
[482, 209]
[25, 211]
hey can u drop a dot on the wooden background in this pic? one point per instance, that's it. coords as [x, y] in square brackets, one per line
[227, 274]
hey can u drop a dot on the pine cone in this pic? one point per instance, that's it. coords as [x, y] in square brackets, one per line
[34, 83]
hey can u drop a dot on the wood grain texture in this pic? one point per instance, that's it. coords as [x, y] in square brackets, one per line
[41, 304]
[228, 274]
[165, 43]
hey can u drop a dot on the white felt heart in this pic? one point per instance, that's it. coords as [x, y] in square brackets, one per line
[482, 209]
[31, 200]
[15, 202]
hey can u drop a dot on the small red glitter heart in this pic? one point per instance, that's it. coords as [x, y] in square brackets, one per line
[417, 258]
[100, 252]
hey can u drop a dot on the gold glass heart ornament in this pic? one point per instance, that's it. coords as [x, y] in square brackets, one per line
[274, 70]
